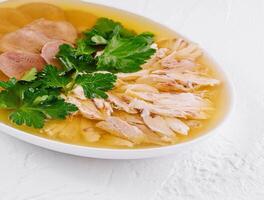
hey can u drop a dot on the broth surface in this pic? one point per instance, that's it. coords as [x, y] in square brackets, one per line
[75, 13]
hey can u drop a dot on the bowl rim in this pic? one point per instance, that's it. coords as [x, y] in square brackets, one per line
[108, 153]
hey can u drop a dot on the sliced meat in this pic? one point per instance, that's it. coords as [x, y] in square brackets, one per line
[59, 30]
[78, 92]
[130, 118]
[151, 137]
[156, 109]
[177, 125]
[189, 79]
[182, 65]
[132, 76]
[50, 50]
[24, 39]
[86, 108]
[162, 82]
[119, 103]
[103, 106]
[183, 105]
[191, 52]
[180, 50]
[139, 87]
[15, 63]
[121, 128]
[158, 125]
[153, 61]
[174, 44]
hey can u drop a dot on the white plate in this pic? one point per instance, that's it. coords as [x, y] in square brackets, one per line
[105, 153]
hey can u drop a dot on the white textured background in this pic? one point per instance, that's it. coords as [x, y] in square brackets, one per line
[229, 166]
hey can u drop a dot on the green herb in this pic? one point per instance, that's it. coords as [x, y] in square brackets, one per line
[79, 58]
[104, 29]
[96, 84]
[52, 77]
[31, 104]
[126, 54]
[10, 83]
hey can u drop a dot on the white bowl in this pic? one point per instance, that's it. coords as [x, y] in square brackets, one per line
[106, 153]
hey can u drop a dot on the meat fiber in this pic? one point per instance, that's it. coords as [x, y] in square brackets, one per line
[16, 63]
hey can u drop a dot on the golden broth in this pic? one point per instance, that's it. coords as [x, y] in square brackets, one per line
[82, 16]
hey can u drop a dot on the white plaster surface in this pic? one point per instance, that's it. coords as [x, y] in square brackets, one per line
[228, 166]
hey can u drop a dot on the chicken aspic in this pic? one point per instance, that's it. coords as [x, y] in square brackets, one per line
[154, 95]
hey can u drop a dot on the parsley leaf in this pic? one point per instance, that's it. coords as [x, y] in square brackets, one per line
[52, 77]
[31, 103]
[95, 85]
[57, 108]
[72, 58]
[28, 117]
[10, 83]
[126, 54]
[104, 30]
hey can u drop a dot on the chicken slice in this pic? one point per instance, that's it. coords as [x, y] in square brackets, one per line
[188, 79]
[50, 50]
[151, 137]
[194, 123]
[183, 105]
[130, 118]
[172, 43]
[180, 99]
[119, 103]
[156, 109]
[139, 88]
[162, 82]
[191, 52]
[38, 10]
[104, 106]
[78, 92]
[86, 108]
[16, 63]
[121, 128]
[24, 39]
[182, 65]
[58, 30]
[158, 125]
[132, 76]
[160, 53]
[177, 125]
